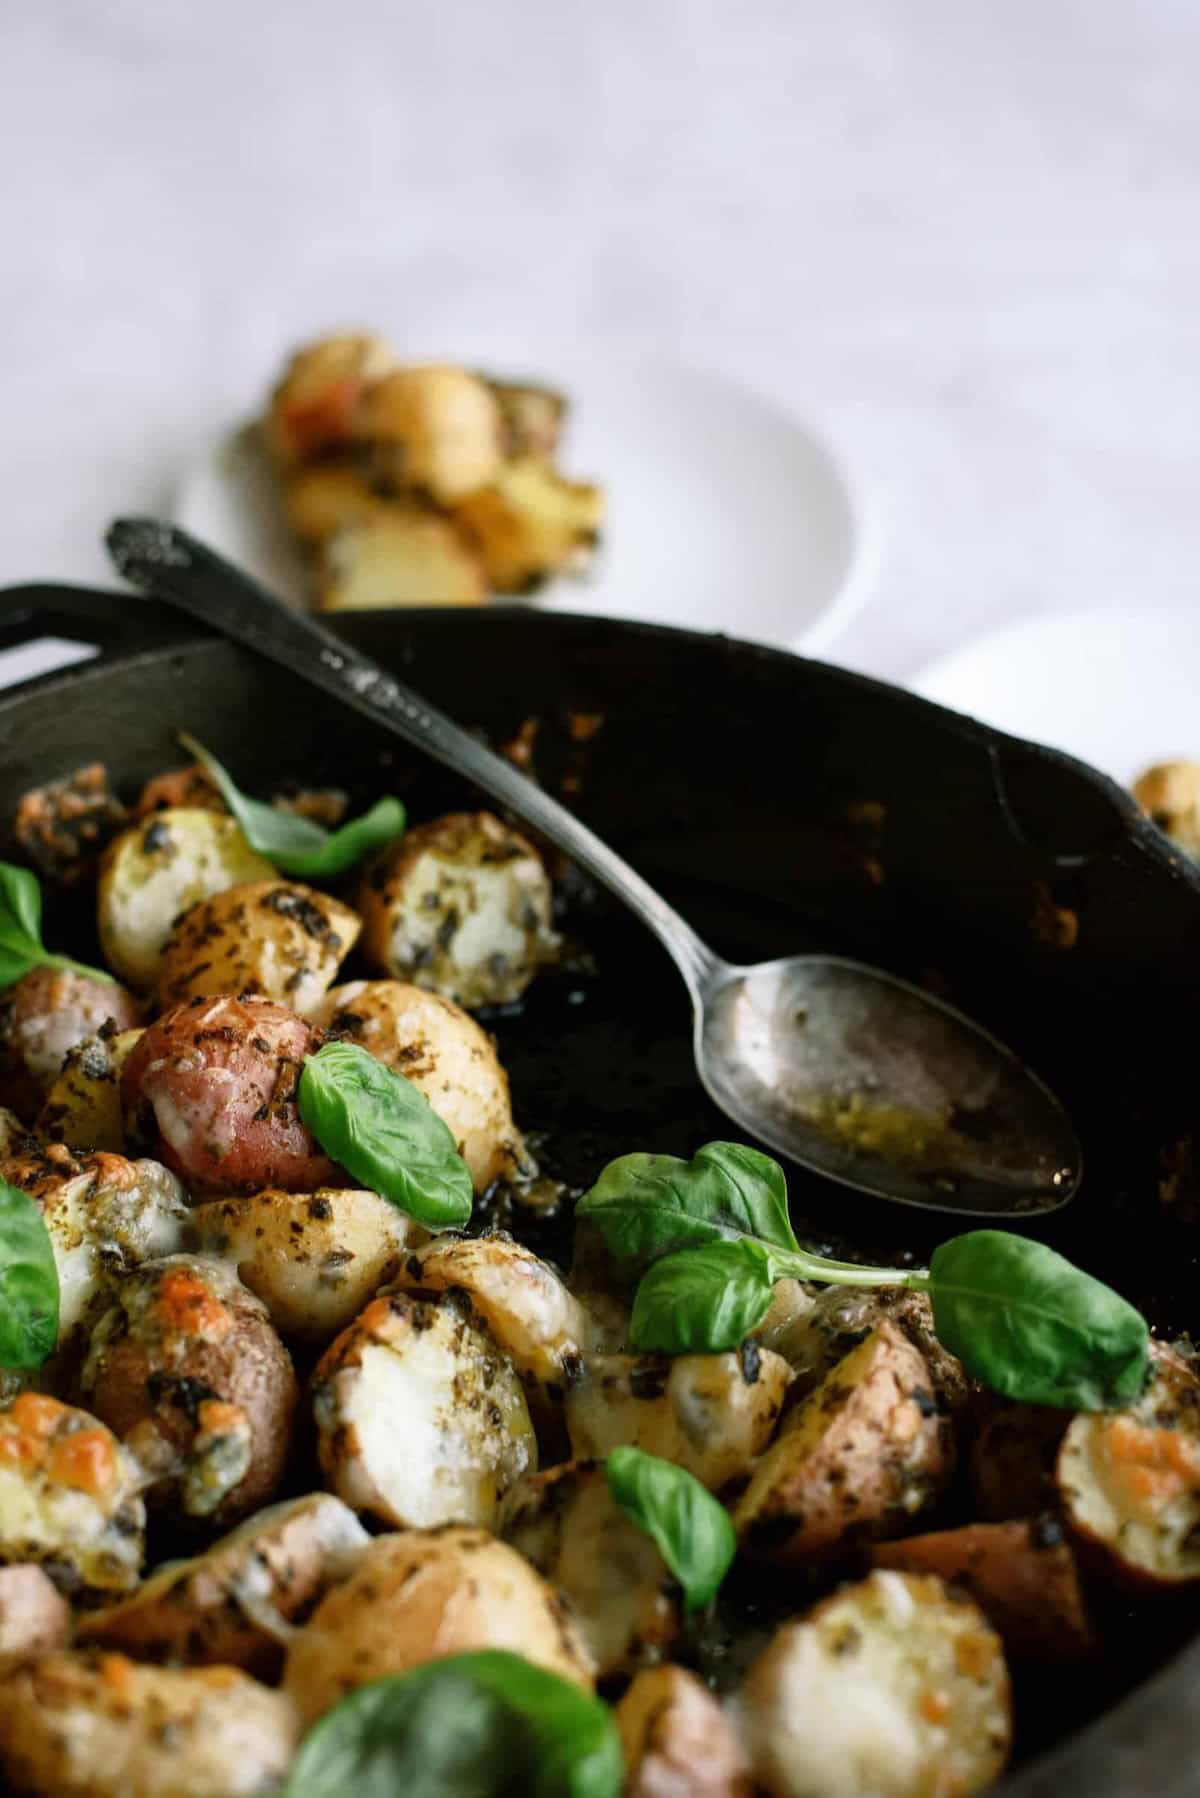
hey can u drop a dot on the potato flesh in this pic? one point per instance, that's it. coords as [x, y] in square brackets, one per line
[408, 558]
[83, 1106]
[677, 1740]
[530, 524]
[69, 1496]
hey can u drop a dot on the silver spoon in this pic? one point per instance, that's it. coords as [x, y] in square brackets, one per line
[840, 1066]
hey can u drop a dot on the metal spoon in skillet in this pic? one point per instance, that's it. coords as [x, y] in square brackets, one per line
[837, 1065]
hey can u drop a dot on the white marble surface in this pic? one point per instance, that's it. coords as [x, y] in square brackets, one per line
[964, 235]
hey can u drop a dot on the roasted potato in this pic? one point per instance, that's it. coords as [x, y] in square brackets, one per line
[95, 1725]
[316, 408]
[567, 1524]
[69, 1497]
[187, 1370]
[1129, 1481]
[446, 1055]
[460, 905]
[895, 1687]
[712, 1414]
[158, 869]
[419, 1595]
[677, 1741]
[63, 826]
[530, 524]
[233, 1604]
[1012, 1460]
[273, 937]
[83, 1105]
[864, 1454]
[532, 417]
[105, 1216]
[313, 1258]
[437, 430]
[328, 497]
[409, 558]
[1169, 793]
[34, 1615]
[43, 1016]
[420, 1418]
[1022, 1575]
[210, 1090]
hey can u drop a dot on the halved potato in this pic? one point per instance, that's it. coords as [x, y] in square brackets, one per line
[409, 558]
[530, 524]
[419, 1595]
[567, 1524]
[420, 1418]
[460, 905]
[677, 1741]
[895, 1687]
[815, 1329]
[326, 497]
[233, 1604]
[316, 407]
[313, 1258]
[861, 1457]
[43, 1016]
[152, 873]
[435, 429]
[83, 1106]
[87, 1724]
[275, 938]
[712, 1414]
[69, 1497]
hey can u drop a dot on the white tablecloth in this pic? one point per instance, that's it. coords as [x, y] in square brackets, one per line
[965, 234]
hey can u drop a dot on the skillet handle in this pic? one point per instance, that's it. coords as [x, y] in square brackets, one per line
[106, 620]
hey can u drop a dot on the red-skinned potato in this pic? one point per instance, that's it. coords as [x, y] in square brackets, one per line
[46, 1013]
[210, 1090]
[677, 1740]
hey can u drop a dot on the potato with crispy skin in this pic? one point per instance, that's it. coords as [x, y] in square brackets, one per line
[233, 1604]
[419, 1595]
[447, 1056]
[316, 409]
[43, 1016]
[313, 1258]
[83, 1106]
[568, 1525]
[434, 429]
[711, 1414]
[677, 1741]
[530, 523]
[420, 1418]
[94, 1725]
[274, 938]
[69, 1497]
[411, 557]
[863, 1455]
[460, 905]
[210, 1090]
[895, 1686]
[187, 1370]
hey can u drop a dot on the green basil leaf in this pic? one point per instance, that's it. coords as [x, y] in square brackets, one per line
[692, 1530]
[28, 1282]
[299, 846]
[704, 1300]
[385, 1132]
[651, 1205]
[21, 946]
[1031, 1326]
[485, 1725]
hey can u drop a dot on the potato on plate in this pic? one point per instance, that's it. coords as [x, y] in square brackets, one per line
[419, 1595]
[530, 524]
[895, 1687]
[153, 872]
[420, 1418]
[274, 938]
[87, 1724]
[861, 1457]
[83, 1106]
[437, 430]
[69, 1497]
[327, 497]
[677, 1740]
[43, 1016]
[1169, 793]
[408, 558]
[316, 408]
[532, 417]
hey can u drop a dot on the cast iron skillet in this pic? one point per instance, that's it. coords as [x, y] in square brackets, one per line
[782, 805]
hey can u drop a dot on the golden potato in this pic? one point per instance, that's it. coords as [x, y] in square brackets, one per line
[1170, 794]
[532, 417]
[712, 1414]
[419, 1595]
[326, 497]
[420, 1419]
[677, 1740]
[408, 558]
[313, 1258]
[233, 1604]
[863, 1455]
[69, 1497]
[83, 1105]
[95, 1725]
[447, 1056]
[34, 1615]
[461, 905]
[316, 407]
[275, 938]
[813, 1329]
[435, 429]
[530, 524]
[152, 873]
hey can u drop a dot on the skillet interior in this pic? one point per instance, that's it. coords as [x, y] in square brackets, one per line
[782, 804]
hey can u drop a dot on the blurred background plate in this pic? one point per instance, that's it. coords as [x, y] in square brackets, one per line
[1116, 686]
[725, 512]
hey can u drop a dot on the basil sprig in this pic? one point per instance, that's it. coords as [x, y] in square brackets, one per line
[1019, 1316]
[28, 1282]
[485, 1725]
[691, 1529]
[300, 846]
[381, 1128]
[21, 946]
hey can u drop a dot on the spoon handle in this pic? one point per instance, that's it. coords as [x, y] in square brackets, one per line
[164, 561]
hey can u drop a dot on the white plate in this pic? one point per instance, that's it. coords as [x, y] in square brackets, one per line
[1116, 687]
[724, 512]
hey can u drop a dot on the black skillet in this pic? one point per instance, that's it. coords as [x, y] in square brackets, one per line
[781, 804]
